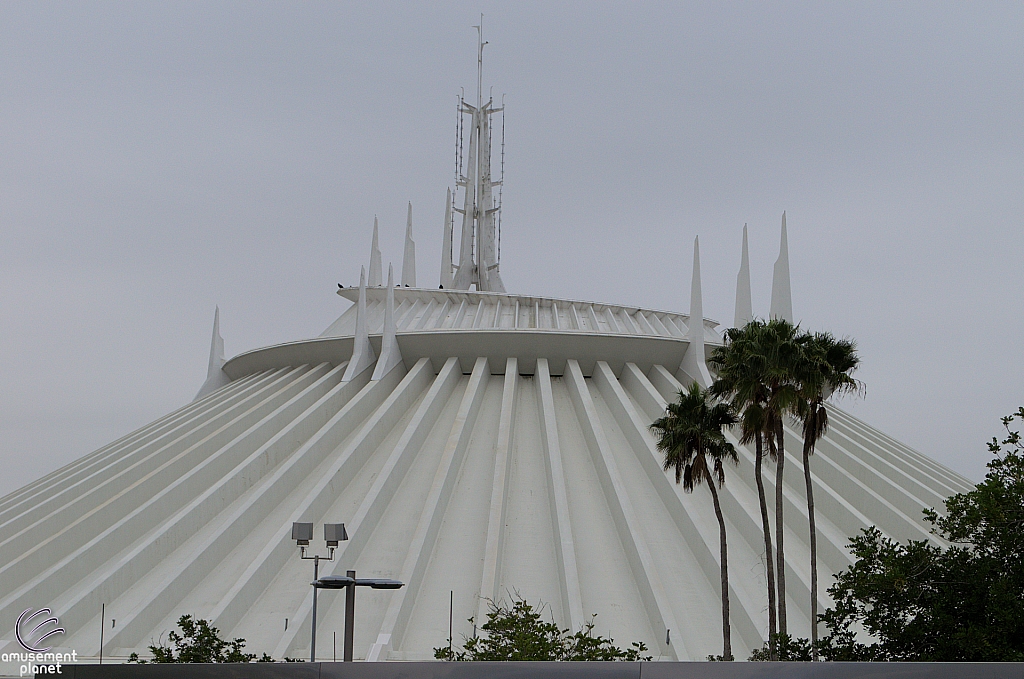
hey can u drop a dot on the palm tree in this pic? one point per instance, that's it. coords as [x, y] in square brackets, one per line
[761, 370]
[739, 377]
[690, 434]
[779, 343]
[823, 369]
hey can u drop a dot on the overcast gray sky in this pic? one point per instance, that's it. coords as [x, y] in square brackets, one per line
[157, 159]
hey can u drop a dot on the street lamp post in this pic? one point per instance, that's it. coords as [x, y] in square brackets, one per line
[349, 582]
[302, 533]
[350, 618]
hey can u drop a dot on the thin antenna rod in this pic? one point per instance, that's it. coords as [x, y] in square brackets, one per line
[458, 138]
[501, 186]
[480, 63]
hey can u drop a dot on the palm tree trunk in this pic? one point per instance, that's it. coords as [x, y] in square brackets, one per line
[780, 553]
[726, 632]
[768, 558]
[808, 449]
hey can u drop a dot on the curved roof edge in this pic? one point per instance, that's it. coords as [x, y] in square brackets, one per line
[420, 309]
[467, 345]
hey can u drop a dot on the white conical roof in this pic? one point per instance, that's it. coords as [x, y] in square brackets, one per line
[508, 450]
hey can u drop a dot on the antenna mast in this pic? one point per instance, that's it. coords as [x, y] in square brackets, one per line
[479, 251]
[480, 63]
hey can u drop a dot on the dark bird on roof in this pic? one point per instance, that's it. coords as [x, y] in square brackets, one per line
[340, 286]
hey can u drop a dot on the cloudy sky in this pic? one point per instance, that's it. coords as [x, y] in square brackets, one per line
[158, 159]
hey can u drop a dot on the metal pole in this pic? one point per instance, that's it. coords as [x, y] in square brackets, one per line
[103, 621]
[312, 641]
[350, 616]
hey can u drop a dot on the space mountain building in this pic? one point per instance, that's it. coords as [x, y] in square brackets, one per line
[477, 444]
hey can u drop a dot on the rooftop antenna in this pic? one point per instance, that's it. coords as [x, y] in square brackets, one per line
[501, 179]
[480, 63]
[478, 252]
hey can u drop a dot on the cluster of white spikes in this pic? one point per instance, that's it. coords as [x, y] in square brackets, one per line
[782, 296]
[781, 304]
[363, 355]
[408, 257]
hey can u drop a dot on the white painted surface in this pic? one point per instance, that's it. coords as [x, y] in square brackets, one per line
[545, 481]
[782, 296]
[376, 270]
[409, 255]
[215, 376]
[744, 305]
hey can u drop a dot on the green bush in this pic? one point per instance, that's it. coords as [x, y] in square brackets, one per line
[519, 632]
[199, 642]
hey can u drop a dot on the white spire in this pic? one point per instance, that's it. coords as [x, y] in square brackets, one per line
[216, 346]
[375, 259]
[478, 253]
[362, 353]
[215, 375]
[782, 296]
[480, 62]
[693, 364]
[390, 355]
[744, 307]
[409, 258]
[446, 245]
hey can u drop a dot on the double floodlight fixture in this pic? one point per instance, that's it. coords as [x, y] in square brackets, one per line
[334, 533]
[302, 533]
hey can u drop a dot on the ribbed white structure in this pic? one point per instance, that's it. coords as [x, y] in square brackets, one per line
[509, 450]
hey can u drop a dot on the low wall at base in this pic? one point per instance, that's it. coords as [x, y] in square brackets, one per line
[549, 670]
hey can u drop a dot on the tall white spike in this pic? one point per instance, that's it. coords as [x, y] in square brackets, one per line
[409, 258]
[465, 276]
[362, 353]
[390, 354]
[215, 376]
[782, 296]
[375, 260]
[446, 245]
[693, 365]
[216, 346]
[744, 307]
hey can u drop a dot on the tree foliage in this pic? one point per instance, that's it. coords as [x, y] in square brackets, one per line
[520, 632]
[691, 436]
[920, 601]
[784, 647]
[199, 642]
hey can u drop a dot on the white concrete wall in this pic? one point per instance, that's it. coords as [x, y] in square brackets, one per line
[481, 474]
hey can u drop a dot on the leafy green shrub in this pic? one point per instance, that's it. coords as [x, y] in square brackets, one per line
[199, 643]
[787, 648]
[919, 601]
[519, 632]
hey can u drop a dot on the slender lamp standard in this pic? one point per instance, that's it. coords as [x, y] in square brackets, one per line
[349, 582]
[334, 533]
[302, 533]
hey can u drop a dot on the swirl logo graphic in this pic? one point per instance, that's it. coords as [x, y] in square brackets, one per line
[42, 631]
